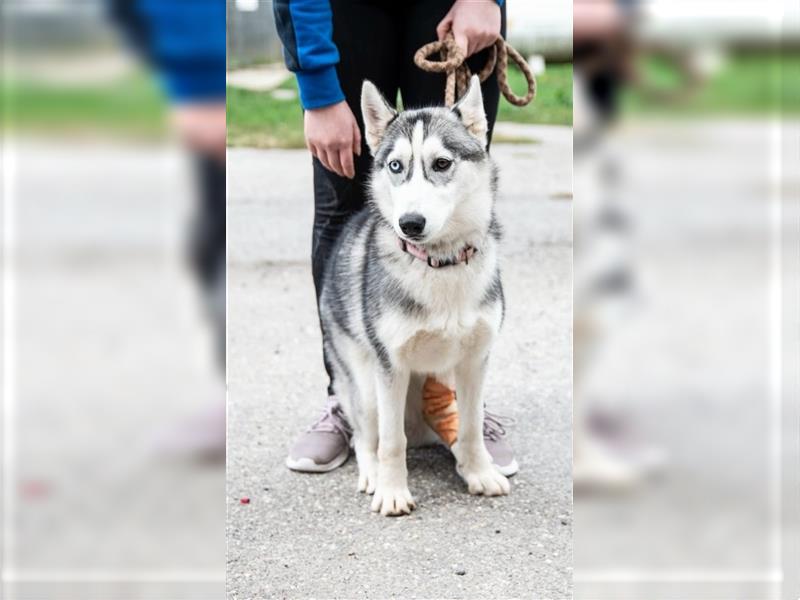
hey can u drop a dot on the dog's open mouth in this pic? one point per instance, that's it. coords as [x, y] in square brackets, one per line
[412, 248]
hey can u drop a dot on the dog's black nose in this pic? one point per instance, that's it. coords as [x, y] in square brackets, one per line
[412, 224]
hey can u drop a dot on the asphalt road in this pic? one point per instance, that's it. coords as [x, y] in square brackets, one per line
[305, 536]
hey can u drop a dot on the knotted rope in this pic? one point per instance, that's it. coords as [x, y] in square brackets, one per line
[452, 61]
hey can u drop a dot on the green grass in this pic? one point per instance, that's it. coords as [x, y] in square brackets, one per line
[552, 104]
[257, 119]
[132, 107]
[752, 84]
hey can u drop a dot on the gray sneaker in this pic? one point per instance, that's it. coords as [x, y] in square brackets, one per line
[325, 445]
[494, 436]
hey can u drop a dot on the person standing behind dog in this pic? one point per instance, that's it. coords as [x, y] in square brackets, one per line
[185, 48]
[332, 46]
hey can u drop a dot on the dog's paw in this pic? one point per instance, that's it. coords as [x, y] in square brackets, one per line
[487, 481]
[367, 478]
[392, 501]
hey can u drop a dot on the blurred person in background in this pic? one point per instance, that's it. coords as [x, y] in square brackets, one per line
[332, 47]
[185, 44]
[601, 54]
[607, 453]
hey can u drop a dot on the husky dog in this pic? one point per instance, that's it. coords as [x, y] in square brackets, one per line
[413, 289]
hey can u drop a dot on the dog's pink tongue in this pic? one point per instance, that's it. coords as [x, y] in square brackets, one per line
[412, 249]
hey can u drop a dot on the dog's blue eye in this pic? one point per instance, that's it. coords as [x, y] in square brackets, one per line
[395, 166]
[442, 164]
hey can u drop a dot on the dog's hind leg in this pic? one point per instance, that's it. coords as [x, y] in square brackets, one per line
[473, 462]
[391, 494]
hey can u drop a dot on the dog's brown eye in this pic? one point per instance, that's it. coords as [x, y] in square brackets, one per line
[395, 166]
[441, 164]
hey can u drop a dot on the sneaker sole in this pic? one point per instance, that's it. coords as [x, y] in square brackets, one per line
[509, 469]
[306, 465]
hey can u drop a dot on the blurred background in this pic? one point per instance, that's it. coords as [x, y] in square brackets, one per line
[113, 393]
[686, 210]
[686, 309]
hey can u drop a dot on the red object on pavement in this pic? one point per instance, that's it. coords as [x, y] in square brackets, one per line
[244, 500]
[33, 489]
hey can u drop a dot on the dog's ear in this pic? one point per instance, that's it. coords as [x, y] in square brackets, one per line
[377, 114]
[470, 110]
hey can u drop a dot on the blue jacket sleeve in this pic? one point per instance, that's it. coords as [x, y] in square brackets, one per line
[306, 30]
[186, 45]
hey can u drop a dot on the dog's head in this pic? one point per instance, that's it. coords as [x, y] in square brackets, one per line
[432, 178]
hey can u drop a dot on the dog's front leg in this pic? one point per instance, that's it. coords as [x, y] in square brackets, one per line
[366, 440]
[473, 462]
[366, 446]
[391, 494]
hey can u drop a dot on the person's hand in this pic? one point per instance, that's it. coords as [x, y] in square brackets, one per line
[332, 136]
[596, 19]
[475, 24]
[201, 126]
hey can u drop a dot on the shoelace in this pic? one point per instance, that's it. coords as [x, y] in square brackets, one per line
[333, 420]
[494, 426]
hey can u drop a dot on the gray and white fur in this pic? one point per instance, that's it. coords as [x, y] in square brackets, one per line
[390, 319]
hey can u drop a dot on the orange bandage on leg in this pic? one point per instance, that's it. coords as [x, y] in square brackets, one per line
[440, 411]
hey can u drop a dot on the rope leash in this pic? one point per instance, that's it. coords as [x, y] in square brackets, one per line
[452, 61]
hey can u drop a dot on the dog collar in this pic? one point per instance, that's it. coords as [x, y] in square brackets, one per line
[462, 257]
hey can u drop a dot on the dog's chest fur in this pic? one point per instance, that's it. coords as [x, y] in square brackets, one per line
[452, 319]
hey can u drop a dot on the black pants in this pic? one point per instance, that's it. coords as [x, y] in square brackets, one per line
[207, 244]
[605, 78]
[377, 40]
